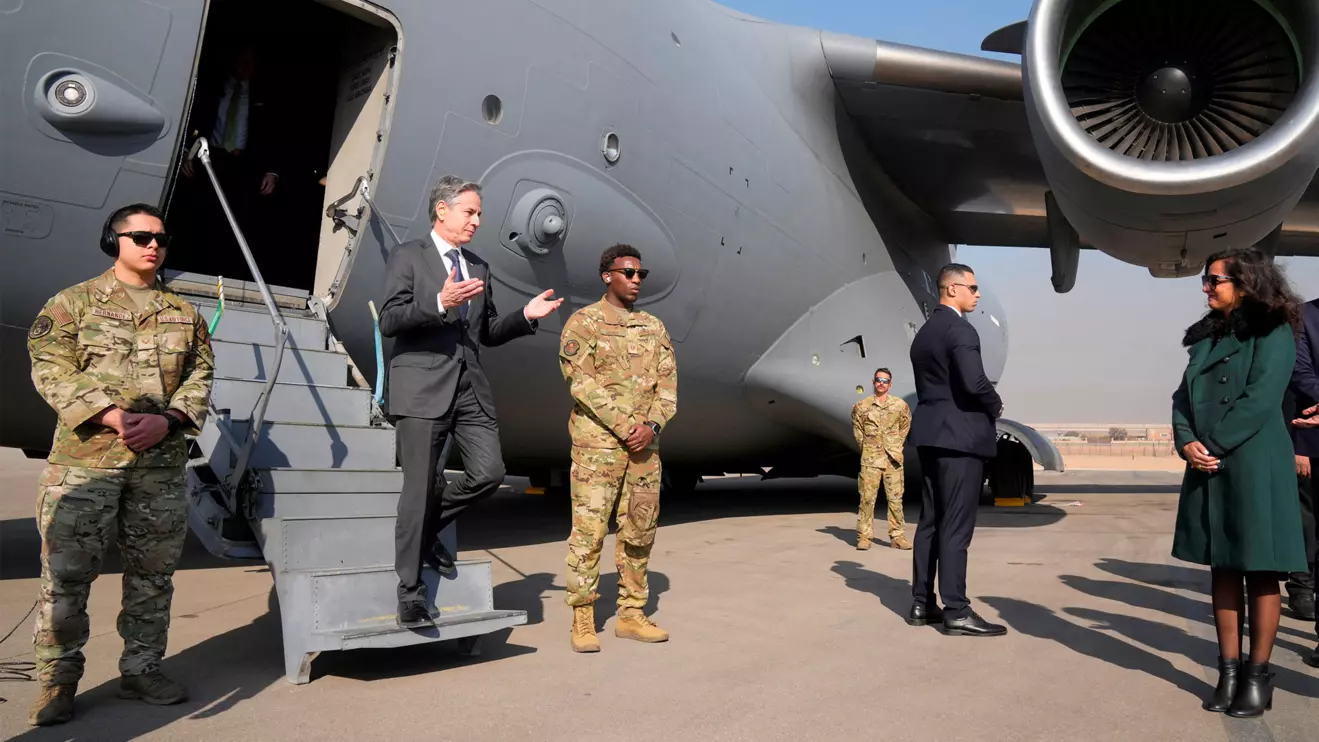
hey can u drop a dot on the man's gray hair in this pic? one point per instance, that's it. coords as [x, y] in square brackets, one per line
[447, 189]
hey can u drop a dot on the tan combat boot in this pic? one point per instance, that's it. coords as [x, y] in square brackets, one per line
[153, 687]
[54, 705]
[862, 543]
[633, 624]
[583, 629]
[900, 542]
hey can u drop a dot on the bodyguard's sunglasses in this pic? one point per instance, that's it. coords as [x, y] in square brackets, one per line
[142, 239]
[628, 273]
[882, 380]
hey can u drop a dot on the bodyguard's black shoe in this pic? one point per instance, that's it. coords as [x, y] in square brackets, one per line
[1254, 691]
[920, 615]
[972, 625]
[439, 559]
[1229, 672]
[1302, 604]
[412, 614]
[1313, 659]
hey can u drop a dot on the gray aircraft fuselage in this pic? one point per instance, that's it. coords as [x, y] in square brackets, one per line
[767, 174]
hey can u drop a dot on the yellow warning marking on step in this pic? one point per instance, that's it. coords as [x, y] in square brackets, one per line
[534, 491]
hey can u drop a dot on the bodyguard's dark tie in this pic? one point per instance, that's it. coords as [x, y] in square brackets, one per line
[458, 265]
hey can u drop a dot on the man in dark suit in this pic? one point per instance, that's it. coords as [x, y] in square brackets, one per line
[1303, 393]
[953, 431]
[439, 310]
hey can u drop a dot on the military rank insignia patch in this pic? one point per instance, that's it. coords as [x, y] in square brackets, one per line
[571, 347]
[41, 327]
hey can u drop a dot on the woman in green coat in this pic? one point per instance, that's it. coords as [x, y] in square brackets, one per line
[1238, 511]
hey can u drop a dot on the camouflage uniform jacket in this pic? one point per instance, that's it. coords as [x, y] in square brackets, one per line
[881, 429]
[620, 370]
[90, 349]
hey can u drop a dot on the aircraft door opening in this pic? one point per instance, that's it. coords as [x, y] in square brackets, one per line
[292, 98]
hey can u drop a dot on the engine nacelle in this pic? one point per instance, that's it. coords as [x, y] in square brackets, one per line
[1171, 129]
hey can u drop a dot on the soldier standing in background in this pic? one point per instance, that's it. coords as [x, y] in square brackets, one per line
[127, 365]
[619, 365]
[880, 424]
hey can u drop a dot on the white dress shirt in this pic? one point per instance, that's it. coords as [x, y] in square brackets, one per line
[444, 248]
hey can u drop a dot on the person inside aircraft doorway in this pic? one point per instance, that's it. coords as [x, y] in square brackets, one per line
[1238, 512]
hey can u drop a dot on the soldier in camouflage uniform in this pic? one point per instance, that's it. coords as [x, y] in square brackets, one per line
[619, 365]
[880, 424]
[127, 365]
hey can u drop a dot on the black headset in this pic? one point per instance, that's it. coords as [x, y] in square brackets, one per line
[110, 240]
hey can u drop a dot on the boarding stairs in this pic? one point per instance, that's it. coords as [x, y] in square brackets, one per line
[315, 494]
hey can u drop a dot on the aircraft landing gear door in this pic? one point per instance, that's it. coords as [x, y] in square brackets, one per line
[361, 118]
[91, 99]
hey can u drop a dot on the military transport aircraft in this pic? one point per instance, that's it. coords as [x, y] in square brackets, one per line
[792, 191]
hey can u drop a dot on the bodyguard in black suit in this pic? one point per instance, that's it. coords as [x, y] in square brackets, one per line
[952, 428]
[439, 310]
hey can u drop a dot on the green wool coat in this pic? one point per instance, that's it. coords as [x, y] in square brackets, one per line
[1247, 516]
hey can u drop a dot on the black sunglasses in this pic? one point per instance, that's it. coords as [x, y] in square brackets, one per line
[143, 239]
[1213, 279]
[882, 380]
[628, 273]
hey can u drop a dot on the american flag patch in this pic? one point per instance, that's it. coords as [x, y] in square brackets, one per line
[174, 319]
[60, 314]
[112, 314]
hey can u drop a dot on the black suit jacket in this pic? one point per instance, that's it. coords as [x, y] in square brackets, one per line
[1303, 391]
[264, 119]
[430, 349]
[956, 405]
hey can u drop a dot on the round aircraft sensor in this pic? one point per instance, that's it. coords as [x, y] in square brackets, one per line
[71, 94]
[543, 221]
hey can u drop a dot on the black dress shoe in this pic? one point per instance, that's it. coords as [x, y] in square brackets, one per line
[439, 559]
[972, 625]
[1228, 674]
[1302, 605]
[920, 615]
[412, 614]
[1313, 659]
[1254, 691]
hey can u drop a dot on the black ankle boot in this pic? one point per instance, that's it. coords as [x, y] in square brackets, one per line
[1254, 691]
[1228, 673]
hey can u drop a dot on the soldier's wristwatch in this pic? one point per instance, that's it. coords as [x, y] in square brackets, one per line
[653, 426]
[172, 422]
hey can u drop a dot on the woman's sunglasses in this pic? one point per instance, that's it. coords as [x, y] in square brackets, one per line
[143, 239]
[1213, 279]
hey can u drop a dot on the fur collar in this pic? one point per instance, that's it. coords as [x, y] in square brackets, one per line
[1248, 322]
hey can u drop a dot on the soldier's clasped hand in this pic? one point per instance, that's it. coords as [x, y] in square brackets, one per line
[638, 437]
[456, 292]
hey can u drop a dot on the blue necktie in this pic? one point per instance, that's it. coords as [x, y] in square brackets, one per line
[458, 265]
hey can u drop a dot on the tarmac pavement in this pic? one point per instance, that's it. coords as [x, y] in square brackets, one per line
[781, 631]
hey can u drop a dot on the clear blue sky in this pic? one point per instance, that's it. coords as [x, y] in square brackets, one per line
[1108, 351]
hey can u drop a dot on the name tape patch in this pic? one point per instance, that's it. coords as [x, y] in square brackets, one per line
[111, 313]
[175, 319]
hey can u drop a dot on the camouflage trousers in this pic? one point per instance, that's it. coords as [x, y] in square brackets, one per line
[868, 484]
[602, 479]
[79, 510]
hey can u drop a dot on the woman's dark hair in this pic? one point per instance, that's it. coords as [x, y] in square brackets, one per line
[1266, 288]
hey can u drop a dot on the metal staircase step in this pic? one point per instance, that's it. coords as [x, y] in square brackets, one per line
[357, 608]
[244, 325]
[250, 360]
[294, 403]
[332, 481]
[304, 446]
[328, 505]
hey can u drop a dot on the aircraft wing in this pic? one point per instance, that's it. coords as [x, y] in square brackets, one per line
[952, 132]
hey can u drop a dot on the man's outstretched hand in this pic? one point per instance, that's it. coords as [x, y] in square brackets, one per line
[542, 305]
[456, 292]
